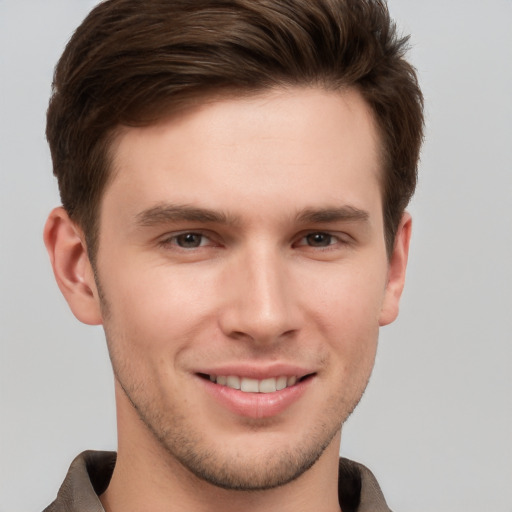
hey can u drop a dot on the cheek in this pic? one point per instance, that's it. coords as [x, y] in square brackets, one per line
[347, 313]
[350, 297]
[157, 306]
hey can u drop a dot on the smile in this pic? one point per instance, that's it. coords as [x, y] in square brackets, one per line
[255, 397]
[248, 385]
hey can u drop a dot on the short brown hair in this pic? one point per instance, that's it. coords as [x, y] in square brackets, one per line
[129, 62]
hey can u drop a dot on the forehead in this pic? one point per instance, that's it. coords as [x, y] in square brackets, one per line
[295, 144]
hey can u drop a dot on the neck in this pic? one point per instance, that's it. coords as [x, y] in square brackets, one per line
[149, 489]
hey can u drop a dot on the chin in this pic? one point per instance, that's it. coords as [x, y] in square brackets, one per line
[230, 470]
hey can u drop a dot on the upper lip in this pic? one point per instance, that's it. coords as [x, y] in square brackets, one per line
[260, 371]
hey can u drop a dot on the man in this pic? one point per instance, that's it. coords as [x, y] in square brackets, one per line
[234, 176]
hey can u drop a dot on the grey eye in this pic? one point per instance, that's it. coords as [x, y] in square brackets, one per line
[319, 239]
[189, 240]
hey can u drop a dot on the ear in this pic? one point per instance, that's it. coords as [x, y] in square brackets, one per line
[71, 266]
[396, 271]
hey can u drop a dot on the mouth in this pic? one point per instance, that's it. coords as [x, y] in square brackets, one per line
[249, 385]
[256, 392]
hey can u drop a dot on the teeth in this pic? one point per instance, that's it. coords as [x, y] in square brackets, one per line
[233, 382]
[268, 385]
[254, 385]
[281, 383]
[248, 385]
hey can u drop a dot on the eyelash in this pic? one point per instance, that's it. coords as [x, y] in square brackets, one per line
[331, 240]
[205, 240]
[173, 240]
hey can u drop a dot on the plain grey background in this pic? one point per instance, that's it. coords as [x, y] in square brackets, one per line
[436, 422]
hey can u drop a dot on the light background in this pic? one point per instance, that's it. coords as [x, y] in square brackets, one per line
[436, 422]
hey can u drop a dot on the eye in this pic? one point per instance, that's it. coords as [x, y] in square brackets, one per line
[318, 239]
[188, 240]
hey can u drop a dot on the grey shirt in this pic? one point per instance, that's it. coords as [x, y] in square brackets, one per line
[90, 473]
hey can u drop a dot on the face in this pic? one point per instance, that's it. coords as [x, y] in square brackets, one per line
[243, 276]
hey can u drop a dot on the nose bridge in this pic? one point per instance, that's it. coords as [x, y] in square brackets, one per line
[261, 303]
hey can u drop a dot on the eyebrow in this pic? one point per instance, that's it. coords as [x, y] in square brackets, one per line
[167, 213]
[343, 213]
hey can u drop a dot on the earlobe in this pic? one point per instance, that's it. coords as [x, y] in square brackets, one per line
[396, 271]
[71, 266]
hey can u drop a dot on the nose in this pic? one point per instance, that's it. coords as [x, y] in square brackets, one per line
[260, 304]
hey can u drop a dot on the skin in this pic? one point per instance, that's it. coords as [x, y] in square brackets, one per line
[289, 268]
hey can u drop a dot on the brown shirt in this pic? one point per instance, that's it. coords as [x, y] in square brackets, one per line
[90, 473]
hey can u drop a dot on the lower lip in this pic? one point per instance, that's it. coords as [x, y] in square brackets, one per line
[256, 405]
